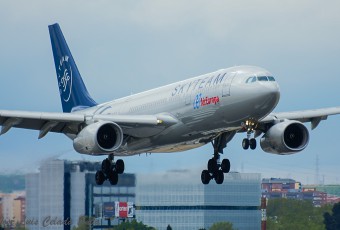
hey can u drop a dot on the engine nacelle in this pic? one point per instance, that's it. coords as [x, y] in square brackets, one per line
[99, 137]
[285, 138]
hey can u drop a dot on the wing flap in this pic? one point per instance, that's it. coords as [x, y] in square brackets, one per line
[38, 121]
[62, 117]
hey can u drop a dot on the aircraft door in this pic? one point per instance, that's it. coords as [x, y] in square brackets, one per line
[188, 99]
[227, 84]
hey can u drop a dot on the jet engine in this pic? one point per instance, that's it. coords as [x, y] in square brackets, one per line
[97, 138]
[285, 138]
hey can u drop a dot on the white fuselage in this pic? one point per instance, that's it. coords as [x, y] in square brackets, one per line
[206, 106]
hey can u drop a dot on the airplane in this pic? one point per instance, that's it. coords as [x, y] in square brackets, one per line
[210, 108]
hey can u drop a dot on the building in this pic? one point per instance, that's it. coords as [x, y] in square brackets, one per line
[100, 198]
[331, 199]
[46, 196]
[12, 209]
[279, 185]
[290, 189]
[19, 209]
[63, 192]
[181, 200]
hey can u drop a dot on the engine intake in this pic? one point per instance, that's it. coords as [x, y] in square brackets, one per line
[97, 138]
[285, 138]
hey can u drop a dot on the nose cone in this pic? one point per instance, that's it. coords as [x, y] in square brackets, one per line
[269, 95]
[273, 91]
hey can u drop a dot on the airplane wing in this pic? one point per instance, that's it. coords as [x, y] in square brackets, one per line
[70, 123]
[314, 116]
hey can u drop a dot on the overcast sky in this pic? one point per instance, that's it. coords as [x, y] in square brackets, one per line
[124, 47]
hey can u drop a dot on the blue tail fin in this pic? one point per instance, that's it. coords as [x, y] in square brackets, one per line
[73, 93]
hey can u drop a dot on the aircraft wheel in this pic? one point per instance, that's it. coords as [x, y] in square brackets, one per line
[106, 166]
[219, 177]
[252, 143]
[212, 166]
[120, 166]
[245, 143]
[113, 177]
[100, 177]
[205, 177]
[225, 166]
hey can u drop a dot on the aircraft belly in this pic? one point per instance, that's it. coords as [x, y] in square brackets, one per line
[176, 138]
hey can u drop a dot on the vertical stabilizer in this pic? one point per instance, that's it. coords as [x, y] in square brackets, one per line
[73, 93]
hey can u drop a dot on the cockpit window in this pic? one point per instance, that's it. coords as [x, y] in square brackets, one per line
[271, 78]
[262, 78]
[251, 79]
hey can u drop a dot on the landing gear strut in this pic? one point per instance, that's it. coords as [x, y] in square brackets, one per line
[216, 169]
[110, 171]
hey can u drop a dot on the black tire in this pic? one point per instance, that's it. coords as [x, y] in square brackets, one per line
[225, 165]
[219, 177]
[252, 143]
[113, 177]
[212, 166]
[245, 144]
[120, 166]
[205, 177]
[100, 177]
[106, 166]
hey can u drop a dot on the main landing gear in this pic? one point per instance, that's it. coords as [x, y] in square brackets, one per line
[249, 126]
[216, 169]
[110, 171]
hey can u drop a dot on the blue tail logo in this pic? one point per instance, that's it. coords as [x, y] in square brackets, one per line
[65, 79]
[73, 93]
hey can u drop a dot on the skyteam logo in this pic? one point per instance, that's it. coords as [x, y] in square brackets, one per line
[204, 101]
[65, 78]
[197, 101]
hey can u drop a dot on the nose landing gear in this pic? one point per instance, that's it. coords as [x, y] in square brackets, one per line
[249, 143]
[249, 126]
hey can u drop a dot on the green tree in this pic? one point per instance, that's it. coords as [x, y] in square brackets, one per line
[84, 223]
[169, 227]
[332, 221]
[222, 226]
[19, 227]
[294, 214]
[133, 225]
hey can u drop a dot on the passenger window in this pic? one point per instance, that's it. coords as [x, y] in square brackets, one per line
[262, 78]
[270, 78]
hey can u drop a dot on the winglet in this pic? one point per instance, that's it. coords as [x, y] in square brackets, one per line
[73, 93]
